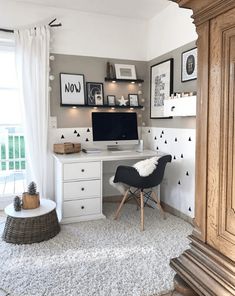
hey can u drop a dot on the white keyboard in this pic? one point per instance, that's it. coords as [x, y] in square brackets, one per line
[121, 151]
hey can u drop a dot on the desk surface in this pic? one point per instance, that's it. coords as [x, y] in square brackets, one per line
[106, 156]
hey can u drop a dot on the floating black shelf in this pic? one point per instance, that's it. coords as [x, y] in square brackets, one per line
[102, 106]
[123, 80]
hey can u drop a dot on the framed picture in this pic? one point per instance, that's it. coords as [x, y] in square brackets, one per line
[125, 71]
[72, 89]
[95, 93]
[189, 65]
[161, 86]
[99, 99]
[133, 100]
[111, 99]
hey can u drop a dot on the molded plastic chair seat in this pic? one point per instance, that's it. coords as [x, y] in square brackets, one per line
[130, 176]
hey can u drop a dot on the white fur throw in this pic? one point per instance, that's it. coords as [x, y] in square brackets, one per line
[146, 167]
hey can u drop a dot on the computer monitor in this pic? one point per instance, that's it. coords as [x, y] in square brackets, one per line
[115, 128]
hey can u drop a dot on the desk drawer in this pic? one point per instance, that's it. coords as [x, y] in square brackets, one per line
[82, 170]
[82, 189]
[82, 207]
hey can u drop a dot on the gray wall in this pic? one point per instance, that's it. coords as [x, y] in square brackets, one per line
[94, 70]
[177, 122]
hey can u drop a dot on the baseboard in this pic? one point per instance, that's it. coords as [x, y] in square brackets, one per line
[113, 198]
[165, 207]
[176, 212]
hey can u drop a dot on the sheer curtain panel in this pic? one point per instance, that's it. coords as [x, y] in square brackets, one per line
[32, 64]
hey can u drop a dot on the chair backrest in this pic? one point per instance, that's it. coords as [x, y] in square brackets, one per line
[157, 175]
[130, 176]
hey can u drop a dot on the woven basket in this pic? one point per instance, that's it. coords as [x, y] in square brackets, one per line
[31, 230]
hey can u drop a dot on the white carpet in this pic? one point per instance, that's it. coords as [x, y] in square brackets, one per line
[100, 258]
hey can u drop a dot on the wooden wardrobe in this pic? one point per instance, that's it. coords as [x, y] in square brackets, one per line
[208, 267]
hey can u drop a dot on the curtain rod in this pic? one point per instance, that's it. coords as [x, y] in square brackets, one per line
[51, 24]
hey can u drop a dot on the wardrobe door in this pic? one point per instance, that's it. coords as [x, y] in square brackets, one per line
[221, 140]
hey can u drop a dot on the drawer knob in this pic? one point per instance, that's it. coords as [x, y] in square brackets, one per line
[172, 108]
[82, 207]
[83, 170]
[82, 189]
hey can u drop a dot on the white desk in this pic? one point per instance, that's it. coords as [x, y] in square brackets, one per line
[79, 179]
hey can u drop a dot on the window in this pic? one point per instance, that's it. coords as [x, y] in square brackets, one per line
[12, 147]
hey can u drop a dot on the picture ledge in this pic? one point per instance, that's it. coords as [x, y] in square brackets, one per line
[123, 80]
[102, 106]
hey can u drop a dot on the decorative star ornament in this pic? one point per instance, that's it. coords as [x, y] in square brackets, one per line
[122, 101]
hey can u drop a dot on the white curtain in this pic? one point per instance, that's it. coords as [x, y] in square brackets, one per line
[32, 64]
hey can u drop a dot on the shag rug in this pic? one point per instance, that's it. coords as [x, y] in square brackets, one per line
[99, 258]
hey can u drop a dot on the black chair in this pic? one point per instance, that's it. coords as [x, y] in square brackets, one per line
[130, 176]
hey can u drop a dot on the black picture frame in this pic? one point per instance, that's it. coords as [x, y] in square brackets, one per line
[72, 89]
[189, 65]
[161, 87]
[95, 90]
[132, 97]
[109, 98]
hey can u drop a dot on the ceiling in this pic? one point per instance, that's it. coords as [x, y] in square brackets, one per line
[140, 9]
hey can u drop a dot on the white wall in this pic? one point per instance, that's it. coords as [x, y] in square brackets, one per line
[99, 35]
[178, 186]
[169, 30]
[82, 33]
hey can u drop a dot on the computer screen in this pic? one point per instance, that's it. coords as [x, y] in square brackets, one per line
[114, 126]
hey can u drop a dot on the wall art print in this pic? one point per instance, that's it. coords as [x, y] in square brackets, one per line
[72, 89]
[189, 65]
[161, 87]
[95, 93]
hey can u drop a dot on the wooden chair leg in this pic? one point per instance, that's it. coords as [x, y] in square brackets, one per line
[142, 209]
[121, 204]
[157, 200]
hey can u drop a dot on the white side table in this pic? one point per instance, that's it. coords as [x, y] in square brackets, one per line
[31, 226]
